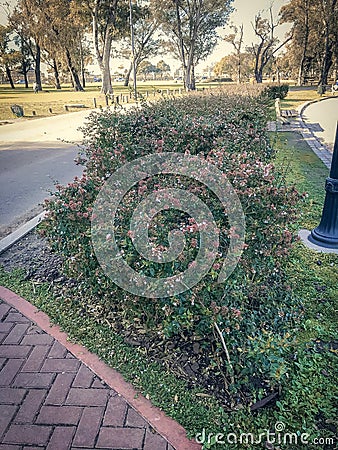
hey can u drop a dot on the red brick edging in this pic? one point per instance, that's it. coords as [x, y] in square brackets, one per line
[174, 433]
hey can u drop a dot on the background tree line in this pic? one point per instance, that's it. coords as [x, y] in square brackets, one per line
[311, 45]
[68, 34]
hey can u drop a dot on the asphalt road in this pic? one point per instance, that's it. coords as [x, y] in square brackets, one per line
[322, 117]
[32, 160]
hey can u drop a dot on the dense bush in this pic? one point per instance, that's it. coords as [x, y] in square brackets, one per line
[253, 308]
[277, 91]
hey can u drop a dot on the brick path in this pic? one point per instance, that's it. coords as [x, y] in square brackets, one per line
[51, 400]
[297, 125]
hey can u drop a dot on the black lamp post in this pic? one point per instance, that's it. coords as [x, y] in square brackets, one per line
[326, 234]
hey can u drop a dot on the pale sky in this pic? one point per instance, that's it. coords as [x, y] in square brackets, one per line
[245, 11]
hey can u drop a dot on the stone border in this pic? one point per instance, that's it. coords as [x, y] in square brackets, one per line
[302, 107]
[319, 148]
[19, 233]
[298, 125]
[174, 433]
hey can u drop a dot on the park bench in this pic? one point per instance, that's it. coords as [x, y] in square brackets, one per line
[74, 105]
[284, 114]
[288, 113]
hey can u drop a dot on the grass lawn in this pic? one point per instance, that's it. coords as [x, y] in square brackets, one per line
[299, 95]
[311, 390]
[308, 270]
[56, 99]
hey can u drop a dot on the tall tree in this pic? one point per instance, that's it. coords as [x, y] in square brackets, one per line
[236, 39]
[26, 62]
[303, 14]
[60, 40]
[51, 26]
[329, 9]
[314, 46]
[162, 67]
[147, 41]
[191, 26]
[228, 65]
[268, 44]
[9, 58]
[146, 68]
[109, 21]
[25, 21]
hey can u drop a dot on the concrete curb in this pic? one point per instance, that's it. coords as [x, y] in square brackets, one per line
[174, 433]
[319, 148]
[301, 127]
[302, 107]
[14, 237]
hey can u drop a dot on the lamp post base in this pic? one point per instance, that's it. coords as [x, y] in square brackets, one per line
[325, 241]
[309, 242]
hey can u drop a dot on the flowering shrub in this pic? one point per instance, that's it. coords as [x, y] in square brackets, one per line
[277, 91]
[237, 318]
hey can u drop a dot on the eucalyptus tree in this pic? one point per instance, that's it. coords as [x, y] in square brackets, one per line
[191, 27]
[268, 44]
[228, 65]
[236, 40]
[329, 13]
[163, 67]
[25, 64]
[63, 35]
[25, 20]
[314, 46]
[298, 12]
[108, 20]
[9, 58]
[147, 40]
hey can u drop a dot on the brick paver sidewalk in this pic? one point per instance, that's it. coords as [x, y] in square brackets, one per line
[51, 400]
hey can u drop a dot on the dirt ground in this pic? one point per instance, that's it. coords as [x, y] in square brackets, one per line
[32, 254]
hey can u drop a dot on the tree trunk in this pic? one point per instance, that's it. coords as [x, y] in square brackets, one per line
[127, 77]
[301, 73]
[73, 72]
[259, 75]
[9, 76]
[327, 63]
[105, 65]
[193, 79]
[239, 69]
[329, 44]
[82, 69]
[181, 44]
[103, 59]
[25, 78]
[190, 71]
[37, 69]
[188, 76]
[56, 75]
[258, 66]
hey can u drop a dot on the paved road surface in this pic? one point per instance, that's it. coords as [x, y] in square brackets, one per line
[322, 117]
[32, 159]
[28, 172]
